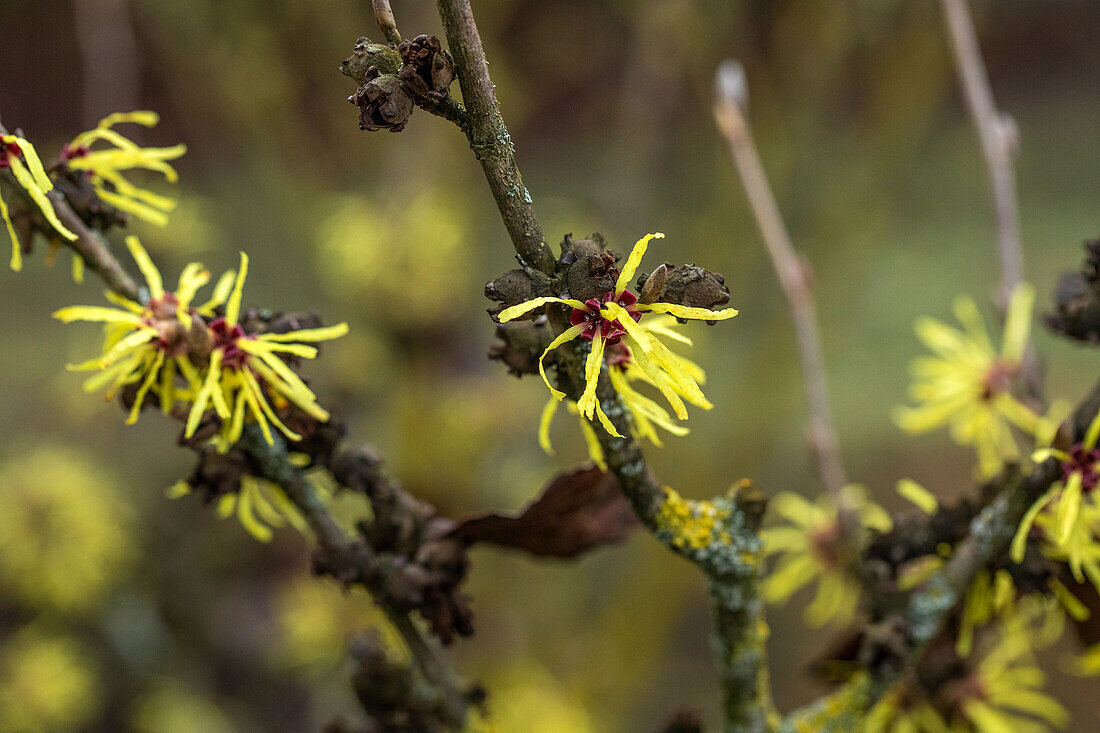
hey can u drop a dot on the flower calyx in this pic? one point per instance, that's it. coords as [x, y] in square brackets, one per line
[384, 101]
[427, 67]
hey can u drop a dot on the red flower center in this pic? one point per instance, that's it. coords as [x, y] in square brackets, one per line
[999, 379]
[617, 355]
[7, 152]
[1083, 461]
[594, 322]
[68, 152]
[226, 338]
[160, 313]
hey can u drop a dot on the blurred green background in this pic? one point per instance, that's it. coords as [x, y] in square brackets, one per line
[123, 610]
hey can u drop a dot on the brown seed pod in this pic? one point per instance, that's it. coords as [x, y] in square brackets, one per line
[384, 102]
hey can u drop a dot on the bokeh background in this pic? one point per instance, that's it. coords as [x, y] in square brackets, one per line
[123, 610]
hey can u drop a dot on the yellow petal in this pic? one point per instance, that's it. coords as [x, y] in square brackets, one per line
[220, 294]
[16, 251]
[689, 312]
[592, 366]
[198, 407]
[919, 496]
[567, 335]
[308, 335]
[77, 268]
[38, 195]
[95, 313]
[150, 377]
[233, 306]
[145, 117]
[148, 269]
[544, 425]
[516, 311]
[635, 259]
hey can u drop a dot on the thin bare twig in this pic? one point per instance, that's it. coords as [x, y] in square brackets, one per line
[384, 15]
[999, 139]
[792, 269]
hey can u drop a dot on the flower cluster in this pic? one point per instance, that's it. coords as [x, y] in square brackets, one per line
[623, 372]
[1067, 516]
[967, 386]
[19, 156]
[102, 156]
[200, 355]
[811, 547]
[104, 166]
[622, 344]
[259, 505]
[1000, 691]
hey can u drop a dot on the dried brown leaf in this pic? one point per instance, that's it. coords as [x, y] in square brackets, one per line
[577, 511]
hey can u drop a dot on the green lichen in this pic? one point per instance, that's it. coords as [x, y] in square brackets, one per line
[692, 524]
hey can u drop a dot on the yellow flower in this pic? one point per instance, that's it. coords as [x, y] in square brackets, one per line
[246, 373]
[32, 177]
[170, 707]
[1004, 692]
[1087, 663]
[902, 710]
[1067, 515]
[811, 547]
[148, 345]
[645, 414]
[1001, 693]
[105, 166]
[65, 534]
[967, 384]
[50, 683]
[259, 506]
[614, 319]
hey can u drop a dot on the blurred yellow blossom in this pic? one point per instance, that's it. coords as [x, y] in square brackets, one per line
[903, 710]
[64, 531]
[527, 698]
[169, 707]
[1005, 690]
[370, 251]
[49, 683]
[967, 385]
[810, 546]
[1067, 516]
[316, 622]
[259, 505]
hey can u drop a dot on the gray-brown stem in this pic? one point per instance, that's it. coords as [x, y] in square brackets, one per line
[489, 138]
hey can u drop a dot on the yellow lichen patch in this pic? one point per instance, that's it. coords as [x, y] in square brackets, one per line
[691, 524]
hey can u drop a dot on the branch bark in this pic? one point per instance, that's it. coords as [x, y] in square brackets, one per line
[489, 138]
[384, 15]
[730, 550]
[276, 467]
